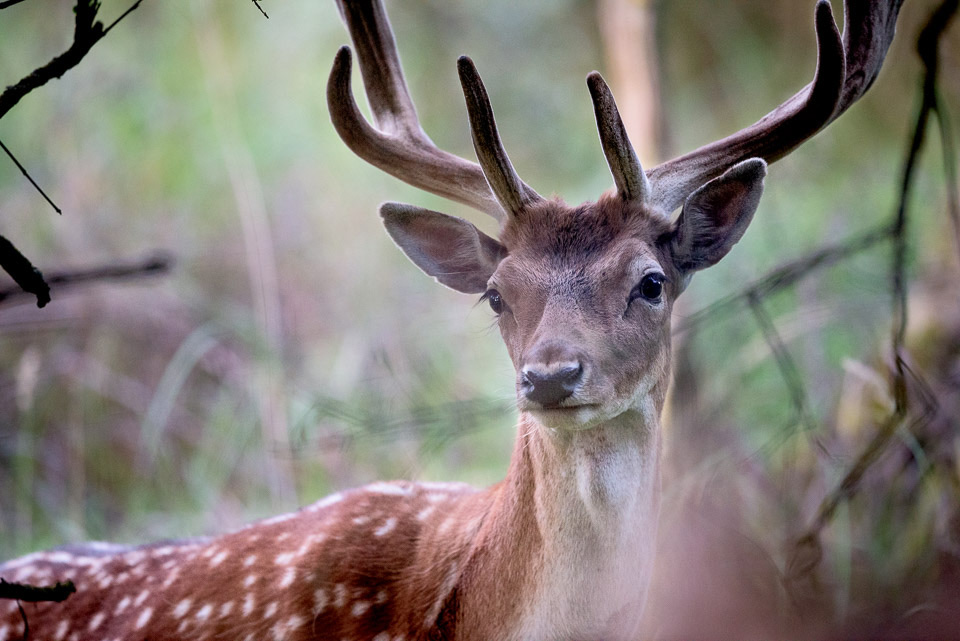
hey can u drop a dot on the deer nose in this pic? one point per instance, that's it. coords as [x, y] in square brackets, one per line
[550, 384]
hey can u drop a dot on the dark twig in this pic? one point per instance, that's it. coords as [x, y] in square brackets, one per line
[785, 276]
[87, 32]
[787, 366]
[29, 177]
[256, 2]
[23, 272]
[35, 594]
[9, 3]
[152, 266]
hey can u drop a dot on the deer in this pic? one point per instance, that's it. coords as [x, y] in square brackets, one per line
[563, 548]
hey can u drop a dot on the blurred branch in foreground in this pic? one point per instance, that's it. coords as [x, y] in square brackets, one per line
[154, 265]
[808, 551]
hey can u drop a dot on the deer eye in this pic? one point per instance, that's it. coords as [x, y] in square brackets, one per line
[493, 297]
[649, 288]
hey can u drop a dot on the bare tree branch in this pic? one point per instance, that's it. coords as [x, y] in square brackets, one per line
[256, 2]
[154, 265]
[29, 177]
[87, 32]
[23, 272]
[35, 594]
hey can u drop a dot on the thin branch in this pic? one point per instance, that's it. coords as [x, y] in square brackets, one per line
[35, 594]
[155, 265]
[87, 32]
[788, 367]
[29, 177]
[122, 16]
[786, 275]
[23, 272]
[9, 3]
[256, 2]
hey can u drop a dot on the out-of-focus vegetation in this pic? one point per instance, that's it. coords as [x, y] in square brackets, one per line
[294, 350]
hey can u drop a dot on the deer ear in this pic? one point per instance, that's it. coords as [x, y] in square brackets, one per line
[715, 216]
[450, 249]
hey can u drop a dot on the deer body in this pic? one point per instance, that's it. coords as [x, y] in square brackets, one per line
[535, 557]
[563, 548]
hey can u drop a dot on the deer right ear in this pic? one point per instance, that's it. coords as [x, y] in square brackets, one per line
[715, 216]
[450, 249]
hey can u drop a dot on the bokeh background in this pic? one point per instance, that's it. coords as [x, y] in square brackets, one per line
[293, 351]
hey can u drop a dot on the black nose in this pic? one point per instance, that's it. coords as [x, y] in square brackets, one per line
[550, 386]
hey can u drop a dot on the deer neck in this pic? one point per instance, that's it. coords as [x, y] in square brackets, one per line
[569, 537]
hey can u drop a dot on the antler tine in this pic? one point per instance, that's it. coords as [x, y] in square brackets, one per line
[628, 176]
[844, 72]
[513, 193]
[398, 144]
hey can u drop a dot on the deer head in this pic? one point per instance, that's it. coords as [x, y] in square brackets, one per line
[583, 294]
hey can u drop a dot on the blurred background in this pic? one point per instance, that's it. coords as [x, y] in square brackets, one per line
[293, 351]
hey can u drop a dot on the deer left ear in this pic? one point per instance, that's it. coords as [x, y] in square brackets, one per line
[715, 216]
[450, 249]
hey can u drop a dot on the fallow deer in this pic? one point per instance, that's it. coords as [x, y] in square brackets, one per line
[563, 547]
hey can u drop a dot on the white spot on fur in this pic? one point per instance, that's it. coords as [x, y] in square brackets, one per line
[282, 628]
[250, 580]
[361, 520]
[134, 558]
[250, 560]
[226, 608]
[144, 618]
[339, 595]
[284, 559]
[423, 514]
[106, 582]
[320, 601]
[448, 583]
[446, 486]
[436, 497]
[288, 577]
[278, 519]
[386, 528]
[327, 502]
[446, 525]
[182, 608]
[383, 636]
[218, 559]
[249, 603]
[388, 488]
[381, 597]
[96, 621]
[204, 613]
[141, 598]
[61, 632]
[123, 605]
[174, 573]
[359, 608]
[270, 610]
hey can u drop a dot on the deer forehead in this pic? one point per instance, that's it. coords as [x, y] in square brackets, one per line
[582, 252]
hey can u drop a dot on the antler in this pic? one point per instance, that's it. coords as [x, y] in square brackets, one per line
[844, 73]
[398, 144]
